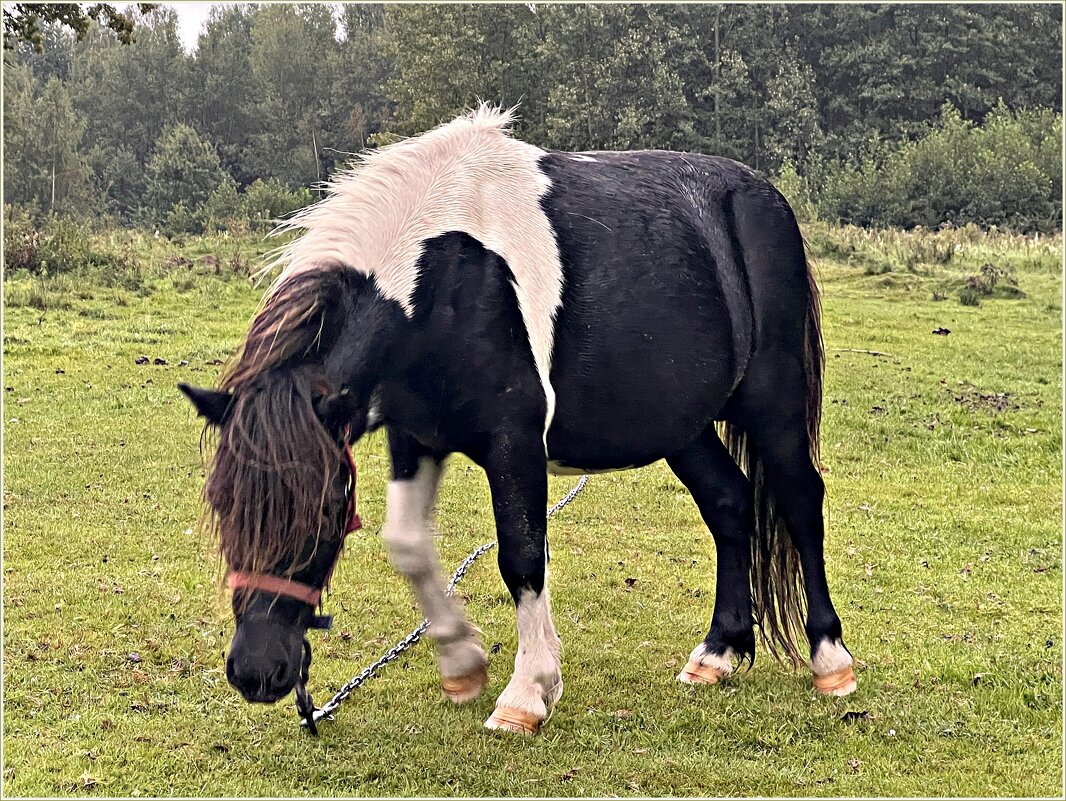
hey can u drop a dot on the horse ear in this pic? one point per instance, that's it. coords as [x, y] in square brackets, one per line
[337, 410]
[210, 404]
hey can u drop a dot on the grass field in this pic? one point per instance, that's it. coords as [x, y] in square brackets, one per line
[944, 555]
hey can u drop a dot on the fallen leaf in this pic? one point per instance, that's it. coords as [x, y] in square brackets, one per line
[851, 716]
[134, 657]
[943, 332]
[142, 359]
[158, 360]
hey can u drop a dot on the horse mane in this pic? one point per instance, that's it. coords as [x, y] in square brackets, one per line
[273, 460]
[377, 213]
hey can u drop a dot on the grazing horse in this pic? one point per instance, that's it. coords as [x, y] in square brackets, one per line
[541, 312]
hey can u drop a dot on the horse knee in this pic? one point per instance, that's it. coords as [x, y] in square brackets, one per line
[409, 548]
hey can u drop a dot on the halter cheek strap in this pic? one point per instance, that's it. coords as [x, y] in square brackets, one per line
[264, 582]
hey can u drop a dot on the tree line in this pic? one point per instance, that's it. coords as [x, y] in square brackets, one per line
[951, 112]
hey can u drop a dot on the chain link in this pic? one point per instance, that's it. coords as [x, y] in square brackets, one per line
[394, 653]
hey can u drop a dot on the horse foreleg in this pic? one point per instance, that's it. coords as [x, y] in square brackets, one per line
[519, 494]
[408, 535]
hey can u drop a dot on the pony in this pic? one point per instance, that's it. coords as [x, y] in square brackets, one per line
[540, 312]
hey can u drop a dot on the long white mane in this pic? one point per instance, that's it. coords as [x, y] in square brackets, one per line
[466, 175]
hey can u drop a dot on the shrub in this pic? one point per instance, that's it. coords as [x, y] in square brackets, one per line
[182, 173]
[797, 192]
[65, 246]
[22, 242]
[1006, 172]
[222, 209]
[267, 201]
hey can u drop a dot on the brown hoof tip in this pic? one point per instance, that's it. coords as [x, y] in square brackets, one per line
[514, 721]
[695, 673]
[840, 683]
[461, 689]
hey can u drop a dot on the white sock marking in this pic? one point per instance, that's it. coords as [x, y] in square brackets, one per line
[831, 657]
[723, 663]
[409, 537]
[537, 682]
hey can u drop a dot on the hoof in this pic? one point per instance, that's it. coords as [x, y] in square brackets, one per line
[842, 682]
[461, 689]
[515, 721]
[695, 673]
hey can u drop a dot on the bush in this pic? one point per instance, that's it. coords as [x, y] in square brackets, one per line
[1006, 173]
[797, 192]
[267, 201]
[222, 210]
[65, 246]
[181, 175]
[22, 242]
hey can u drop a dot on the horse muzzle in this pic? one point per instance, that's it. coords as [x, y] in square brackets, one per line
[265, 660]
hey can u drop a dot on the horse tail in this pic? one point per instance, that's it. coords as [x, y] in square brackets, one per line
[778, 597]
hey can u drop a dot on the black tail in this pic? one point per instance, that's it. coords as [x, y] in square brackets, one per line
[778, 597]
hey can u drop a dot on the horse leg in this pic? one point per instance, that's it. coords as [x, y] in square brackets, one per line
[783, 444]
[408, 533]
[723, 496]
[518, 481]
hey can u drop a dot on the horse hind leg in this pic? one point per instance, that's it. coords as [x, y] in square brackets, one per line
[723, 496]
[779, 450]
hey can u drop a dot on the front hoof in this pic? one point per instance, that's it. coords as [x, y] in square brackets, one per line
[514, 721]
[461, 689]
[696, 673]
[840, 683]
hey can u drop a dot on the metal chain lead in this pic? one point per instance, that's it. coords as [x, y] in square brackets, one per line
[331, 706]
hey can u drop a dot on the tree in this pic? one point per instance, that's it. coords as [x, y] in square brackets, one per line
[23, 21]
[183, 172]
[793, 129]
[42, 136]
[294, 58]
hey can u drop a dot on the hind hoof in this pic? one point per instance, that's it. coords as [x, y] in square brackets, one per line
[696, 673]
[461, 689]
[842, 682]
[513, 721]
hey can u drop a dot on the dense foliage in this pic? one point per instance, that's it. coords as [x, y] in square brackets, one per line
[874, 114]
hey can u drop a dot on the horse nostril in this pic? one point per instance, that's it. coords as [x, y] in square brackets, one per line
[281, 674]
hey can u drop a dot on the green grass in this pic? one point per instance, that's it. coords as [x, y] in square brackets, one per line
[943, 551]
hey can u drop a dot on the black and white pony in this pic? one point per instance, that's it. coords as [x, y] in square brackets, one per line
[541, 312]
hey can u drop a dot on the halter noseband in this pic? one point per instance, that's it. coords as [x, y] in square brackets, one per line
[264, 582]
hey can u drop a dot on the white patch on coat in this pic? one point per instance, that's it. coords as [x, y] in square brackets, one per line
[830, 657]
[723, 662]
[537, 682]
[408, 533]
[467, 175]
[581, 157]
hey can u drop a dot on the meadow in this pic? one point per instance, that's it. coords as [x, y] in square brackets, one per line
[942, 454]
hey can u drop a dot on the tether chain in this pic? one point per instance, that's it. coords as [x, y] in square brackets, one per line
[331, 706]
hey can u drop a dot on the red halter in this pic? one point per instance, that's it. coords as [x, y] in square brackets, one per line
[264, 582]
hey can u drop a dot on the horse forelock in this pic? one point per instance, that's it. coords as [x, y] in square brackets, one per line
[270, 474]
[273, 460]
